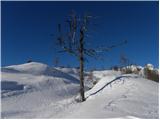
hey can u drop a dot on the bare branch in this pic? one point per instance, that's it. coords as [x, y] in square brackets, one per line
[106, 49]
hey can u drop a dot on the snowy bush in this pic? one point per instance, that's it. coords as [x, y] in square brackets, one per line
[130, 69]
[151, 73]
[95, 82]
[127, 71]
[149, 67]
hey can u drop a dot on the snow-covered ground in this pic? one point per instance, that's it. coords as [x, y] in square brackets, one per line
[35, 90]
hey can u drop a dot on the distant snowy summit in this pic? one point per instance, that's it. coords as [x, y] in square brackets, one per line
[32, 67]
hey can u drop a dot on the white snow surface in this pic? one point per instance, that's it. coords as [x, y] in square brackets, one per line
[149, 66]
[35, 90]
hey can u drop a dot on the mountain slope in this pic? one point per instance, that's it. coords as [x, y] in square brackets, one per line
[35, 90]
[128, 96]
[34, 87]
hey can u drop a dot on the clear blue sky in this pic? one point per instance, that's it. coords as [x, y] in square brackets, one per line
[29, 31]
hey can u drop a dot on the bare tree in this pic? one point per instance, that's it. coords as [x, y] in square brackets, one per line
[90, 76]
[124, 61]
[74, 43]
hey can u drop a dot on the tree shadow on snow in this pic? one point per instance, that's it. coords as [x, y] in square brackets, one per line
[60, 74]
[10, 70]
[109, 83]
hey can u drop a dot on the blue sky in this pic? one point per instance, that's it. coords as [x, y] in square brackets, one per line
[29, 31]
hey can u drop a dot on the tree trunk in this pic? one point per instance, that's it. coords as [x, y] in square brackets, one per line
[81, 66]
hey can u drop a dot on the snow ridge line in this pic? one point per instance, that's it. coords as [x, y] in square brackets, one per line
[109, 83]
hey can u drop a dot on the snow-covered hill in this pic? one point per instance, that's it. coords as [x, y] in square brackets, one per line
[35, 90]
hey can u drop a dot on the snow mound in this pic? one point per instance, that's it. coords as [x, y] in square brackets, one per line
[126, 96]
[33, 68]
[36, 87]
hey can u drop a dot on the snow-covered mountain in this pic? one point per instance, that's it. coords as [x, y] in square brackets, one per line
[35, 90]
